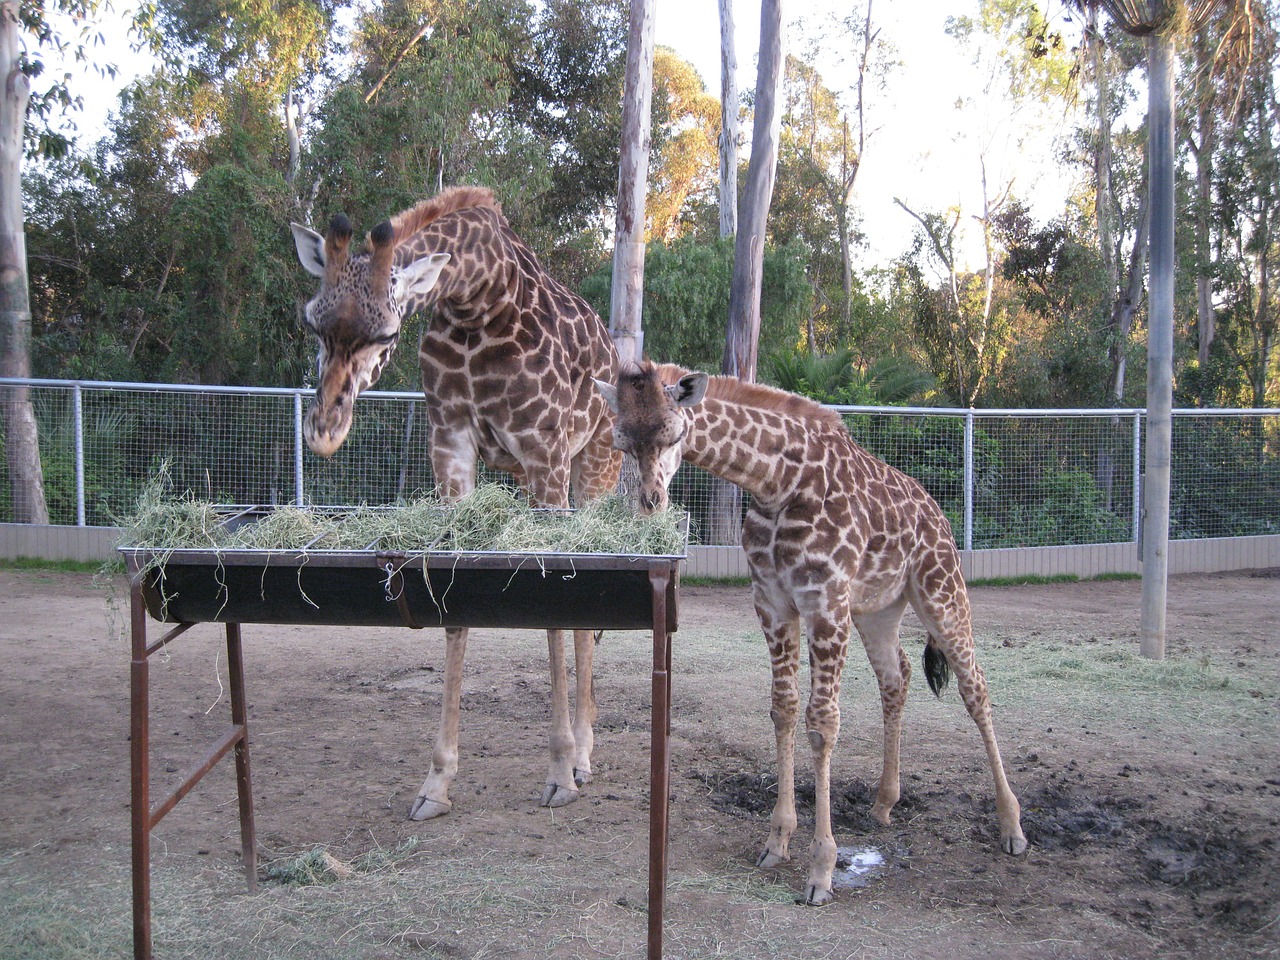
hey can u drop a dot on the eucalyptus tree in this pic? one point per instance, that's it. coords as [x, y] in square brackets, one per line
[26, 38]
[683, 177]
[1230, 128]
[741, 351]
[22, 443]
[826, 133]
[1023, 62]
[727, 194]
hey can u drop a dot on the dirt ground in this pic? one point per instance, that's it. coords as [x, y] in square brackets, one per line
[1150, 790]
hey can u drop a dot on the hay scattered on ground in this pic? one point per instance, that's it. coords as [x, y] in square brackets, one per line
[493, 518]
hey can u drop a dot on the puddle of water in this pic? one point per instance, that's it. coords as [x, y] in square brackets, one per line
[857, 866]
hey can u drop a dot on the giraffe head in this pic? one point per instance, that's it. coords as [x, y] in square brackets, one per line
[650, 423]
[356, 317]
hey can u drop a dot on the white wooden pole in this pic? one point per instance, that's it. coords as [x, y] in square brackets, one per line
[1155, 545]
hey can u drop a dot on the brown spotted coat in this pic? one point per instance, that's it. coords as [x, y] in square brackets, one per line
[835, 538]
[507, 356]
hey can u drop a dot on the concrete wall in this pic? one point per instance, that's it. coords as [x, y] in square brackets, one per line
[1185, 556]
[90, 544]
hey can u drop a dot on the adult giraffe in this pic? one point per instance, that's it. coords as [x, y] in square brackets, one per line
[833, 536]
[507, 357]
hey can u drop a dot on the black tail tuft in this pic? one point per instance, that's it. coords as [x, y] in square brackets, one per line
[936, 669]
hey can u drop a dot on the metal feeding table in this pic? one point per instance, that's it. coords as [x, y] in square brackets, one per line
[372, 587]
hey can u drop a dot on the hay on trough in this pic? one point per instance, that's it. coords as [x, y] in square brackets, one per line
[494, 518]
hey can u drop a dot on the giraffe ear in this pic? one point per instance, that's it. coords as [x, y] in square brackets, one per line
[609, 392]
[418, 278]
[310, 246]
[689, 390]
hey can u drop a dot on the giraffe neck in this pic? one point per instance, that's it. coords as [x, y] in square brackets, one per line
[483, 281]
[761, 450]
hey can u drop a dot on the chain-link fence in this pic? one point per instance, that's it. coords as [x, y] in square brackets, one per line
[1008, 478]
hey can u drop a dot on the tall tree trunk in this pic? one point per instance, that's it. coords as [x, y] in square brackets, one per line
[849, 167]
[627, 297]
[22, 441]
[742, 344]
[1103, 203]
[728, 123]
[742, 340]
[1203, 143]
[295, 144]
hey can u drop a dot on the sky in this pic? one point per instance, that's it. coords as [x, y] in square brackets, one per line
[914, 152]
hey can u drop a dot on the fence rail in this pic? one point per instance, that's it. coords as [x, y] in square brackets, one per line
[1006, 478]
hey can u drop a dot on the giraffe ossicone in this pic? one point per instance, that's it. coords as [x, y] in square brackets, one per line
[506, 354]
[835, 539]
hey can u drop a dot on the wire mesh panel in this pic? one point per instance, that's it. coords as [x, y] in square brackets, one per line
[1225, 475]
[385, 459]
[1004, 478]
[1051, 480]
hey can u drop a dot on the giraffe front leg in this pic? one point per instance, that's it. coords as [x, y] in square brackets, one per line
[561, 788]
[585, 710]
[828, 644]
[433, 799]
[784, 655]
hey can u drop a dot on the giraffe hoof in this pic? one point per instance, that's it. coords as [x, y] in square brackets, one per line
[1015, 845]
[424, 808]
[557, 796]
[768, 860]
[814, 896]
[581, 775]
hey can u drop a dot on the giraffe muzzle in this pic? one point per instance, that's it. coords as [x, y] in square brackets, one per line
[326, 426]
[653, 501]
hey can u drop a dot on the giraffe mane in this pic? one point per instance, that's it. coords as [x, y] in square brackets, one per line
[449, 200]
[758, 395]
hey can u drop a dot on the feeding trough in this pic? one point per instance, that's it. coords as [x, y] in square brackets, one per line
[379, 584]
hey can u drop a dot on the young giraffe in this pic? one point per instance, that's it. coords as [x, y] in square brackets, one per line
[507, 358]
[833, 535]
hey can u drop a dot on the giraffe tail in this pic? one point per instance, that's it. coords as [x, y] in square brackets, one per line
[936, 669]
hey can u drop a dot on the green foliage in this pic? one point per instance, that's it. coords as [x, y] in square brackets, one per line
[686, 293]
[162, 253]
[240, 284]
[835, 379]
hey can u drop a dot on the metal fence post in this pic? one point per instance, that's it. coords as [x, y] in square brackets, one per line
[77, 406]
[1137, 477]
[968, 480]
[297, 448]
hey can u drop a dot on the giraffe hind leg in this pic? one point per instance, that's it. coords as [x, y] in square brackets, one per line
[958, 649]
[879, 632]
[973, 688]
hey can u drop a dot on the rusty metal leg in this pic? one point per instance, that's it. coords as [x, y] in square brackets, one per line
[140, 773]
[659, 760]
[244, 784]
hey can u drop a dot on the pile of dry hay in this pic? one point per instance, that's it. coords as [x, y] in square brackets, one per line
[491, 519]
